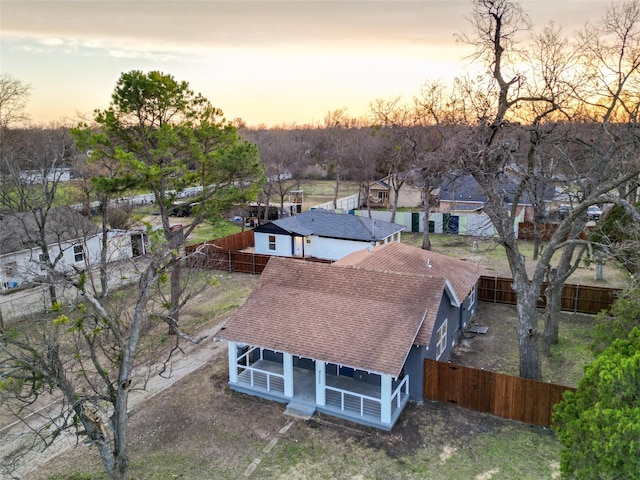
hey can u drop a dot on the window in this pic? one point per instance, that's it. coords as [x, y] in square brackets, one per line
[78, 253]
[308, 240]
[441, 339]
[272, 242]
[10, 269]
[472, 297]
[382, 195]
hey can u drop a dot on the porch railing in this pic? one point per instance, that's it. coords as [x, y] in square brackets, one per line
[353, 402]
[362, 404]
[397, 397]
[258, 377]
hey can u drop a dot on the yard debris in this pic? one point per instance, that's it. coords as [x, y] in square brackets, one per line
[478, 329]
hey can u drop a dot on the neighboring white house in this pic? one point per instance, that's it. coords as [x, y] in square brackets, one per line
[323, 234]
[73, 241]
[123, 244]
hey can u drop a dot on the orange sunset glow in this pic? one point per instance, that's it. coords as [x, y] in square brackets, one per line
[267, 62]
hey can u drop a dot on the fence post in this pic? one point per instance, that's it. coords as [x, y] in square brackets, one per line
[253, 263]
[495, 289]
[229, 257]
[575, 303]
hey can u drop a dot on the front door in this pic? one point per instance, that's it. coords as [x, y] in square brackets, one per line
[297, 247]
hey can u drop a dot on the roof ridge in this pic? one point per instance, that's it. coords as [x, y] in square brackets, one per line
[389, 272]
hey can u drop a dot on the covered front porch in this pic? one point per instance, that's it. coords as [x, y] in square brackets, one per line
[367, 398]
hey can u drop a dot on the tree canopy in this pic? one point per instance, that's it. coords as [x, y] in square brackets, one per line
[599, 425]
[157, 133]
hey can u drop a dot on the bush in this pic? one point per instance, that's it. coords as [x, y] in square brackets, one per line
[119, 217]
[599, 424]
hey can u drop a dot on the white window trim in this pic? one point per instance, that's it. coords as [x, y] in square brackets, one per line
[78, 253]
[441, 339]
[272, 245]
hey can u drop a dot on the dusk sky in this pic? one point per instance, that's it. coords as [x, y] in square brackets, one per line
[267, 62]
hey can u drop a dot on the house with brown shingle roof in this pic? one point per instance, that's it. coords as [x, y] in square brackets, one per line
[400, 257]
[341, 339]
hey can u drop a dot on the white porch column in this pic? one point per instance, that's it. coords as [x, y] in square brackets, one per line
[233, 361]
[320, 383]
[385, 398]
[287, 366]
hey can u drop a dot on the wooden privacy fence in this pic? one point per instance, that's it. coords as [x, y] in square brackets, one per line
[527, 231]
[207, 255]
[237, 241]
[574, 298]
[225, 254]
[213, 258]
[510, 397]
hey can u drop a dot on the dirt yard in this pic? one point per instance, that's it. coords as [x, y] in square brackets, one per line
[199, 429]
[194, 427]
[497, 350]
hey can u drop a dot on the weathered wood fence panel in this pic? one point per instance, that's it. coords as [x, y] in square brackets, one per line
[526, 231]
[210, 256]
[237, 241]
[503, 395]
[574, 298]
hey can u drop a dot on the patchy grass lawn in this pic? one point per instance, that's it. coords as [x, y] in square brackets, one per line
[321, 191]
[207, 231]
[491, 259]
[497, 350]
[200, 429]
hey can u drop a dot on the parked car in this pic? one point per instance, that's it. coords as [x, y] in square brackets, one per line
[563, 211]
[594, 212]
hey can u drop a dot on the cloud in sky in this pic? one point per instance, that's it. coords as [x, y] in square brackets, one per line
[266, 61]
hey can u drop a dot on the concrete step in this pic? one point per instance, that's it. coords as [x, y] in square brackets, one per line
[303, 411]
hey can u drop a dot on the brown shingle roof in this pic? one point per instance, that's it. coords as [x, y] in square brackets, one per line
[348, 316]
[400, 257]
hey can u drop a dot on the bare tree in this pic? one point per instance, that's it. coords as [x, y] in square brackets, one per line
[87, 357]
[399, 128]
[14, 95]
[363, 149]
[336, 126]
[609, 53]
[283, 157]
[434, 113]
[34, 161]
[516, 99]
[161, 133]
